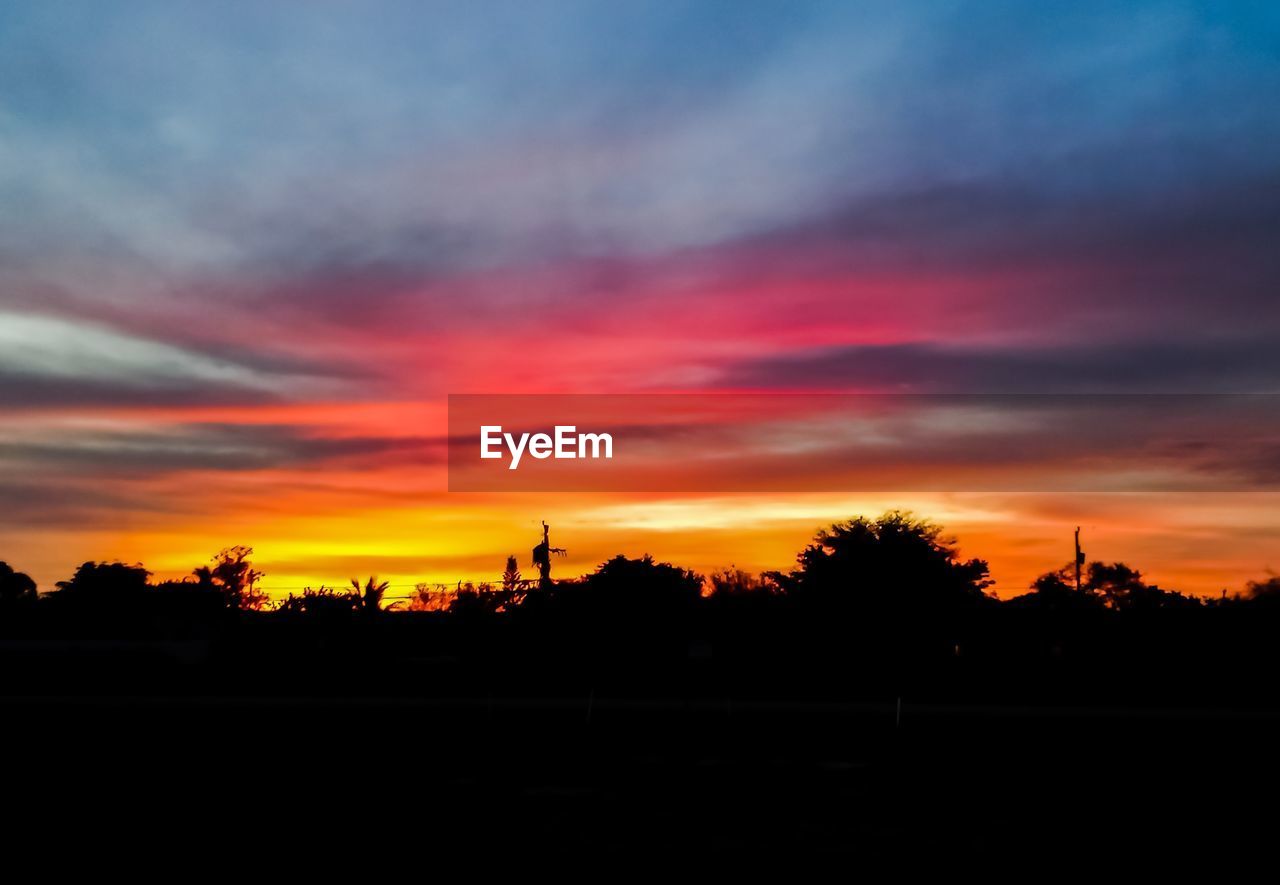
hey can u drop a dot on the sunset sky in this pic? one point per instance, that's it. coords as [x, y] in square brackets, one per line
[248, 249]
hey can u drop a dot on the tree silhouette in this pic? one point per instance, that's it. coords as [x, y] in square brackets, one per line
[1124, 589]
[1111, 585]
[894, 560]
[16, 588]
[104, 586]
[642, 586]
[371, 593]
[1056, 591]
[1263, 592]
[235, 577]
[511, 575]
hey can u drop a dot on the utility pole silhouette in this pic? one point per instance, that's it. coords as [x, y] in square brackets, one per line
[1079, 558]
[542, 557]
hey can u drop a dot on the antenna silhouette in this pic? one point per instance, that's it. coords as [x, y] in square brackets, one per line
[542, 556]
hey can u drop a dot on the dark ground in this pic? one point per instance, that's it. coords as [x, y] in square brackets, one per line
[637, 782]
[1049, 745]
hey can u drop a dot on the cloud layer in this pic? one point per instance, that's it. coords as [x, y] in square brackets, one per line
[216, 218]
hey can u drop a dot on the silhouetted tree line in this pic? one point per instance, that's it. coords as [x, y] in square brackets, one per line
[895, 564]
[870, 605]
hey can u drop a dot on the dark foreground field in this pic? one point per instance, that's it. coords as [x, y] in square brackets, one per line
[601, 780]
[841, 718]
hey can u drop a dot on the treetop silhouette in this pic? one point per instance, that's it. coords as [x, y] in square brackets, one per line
[16, 588]
[895, 560]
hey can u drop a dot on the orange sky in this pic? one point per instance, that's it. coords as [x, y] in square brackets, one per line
[348, 516]
[1202, 546]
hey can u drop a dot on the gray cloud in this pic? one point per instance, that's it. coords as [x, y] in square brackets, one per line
[26, 504]
[30, 391]
[206, 447]
[47, 359]
[1242, 365]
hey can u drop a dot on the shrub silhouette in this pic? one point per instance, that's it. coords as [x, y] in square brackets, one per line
[473, 600]
[322, 602]
[736, 582]
[427, 597]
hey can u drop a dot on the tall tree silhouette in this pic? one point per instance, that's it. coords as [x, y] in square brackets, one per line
[233, 574]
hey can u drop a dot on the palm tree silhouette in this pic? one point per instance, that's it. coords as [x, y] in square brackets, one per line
[371, 593]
